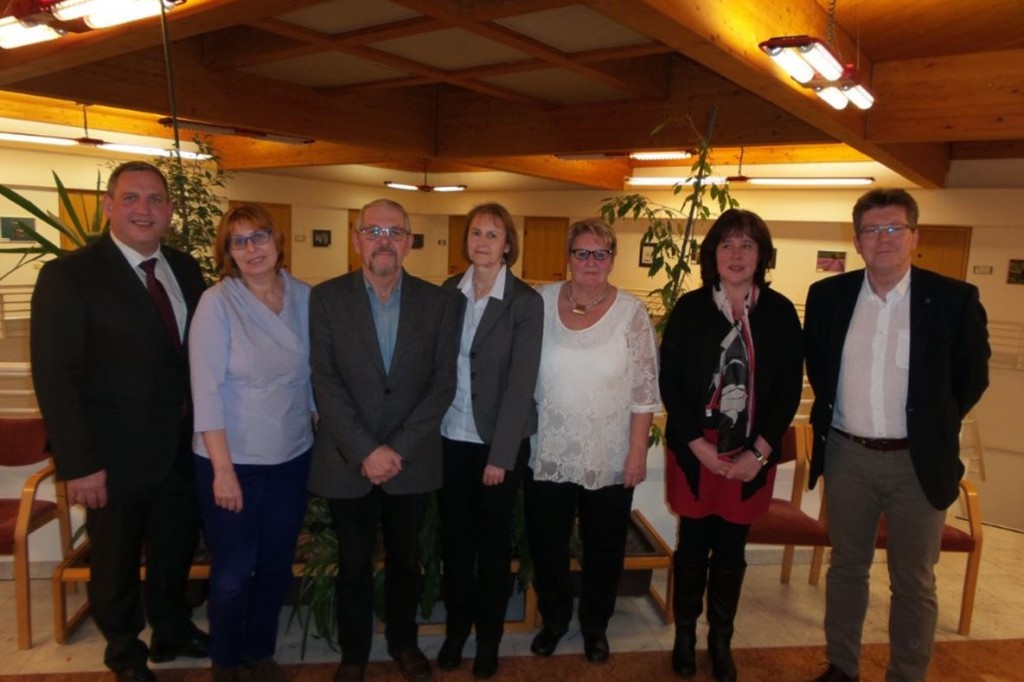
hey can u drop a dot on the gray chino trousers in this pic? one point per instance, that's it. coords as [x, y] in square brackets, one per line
[860, 486]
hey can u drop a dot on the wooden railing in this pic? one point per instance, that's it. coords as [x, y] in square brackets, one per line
[15, 303]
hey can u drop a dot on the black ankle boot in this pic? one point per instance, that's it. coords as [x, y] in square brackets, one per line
[724, 586]
[687, 604]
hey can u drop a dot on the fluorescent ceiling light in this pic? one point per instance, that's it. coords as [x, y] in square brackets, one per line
[808, 182]
[661, 156]
[153, 151]
[38, 139]
[14, 33]
[671, 182]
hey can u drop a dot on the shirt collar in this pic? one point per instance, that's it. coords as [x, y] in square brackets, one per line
[133, 257]
[894, 294]
[497, 289]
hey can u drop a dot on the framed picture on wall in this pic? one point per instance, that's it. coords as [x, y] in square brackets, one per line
[13, 229]
[321, 238]
[646, 255]
[1015, 273]
[831, 261]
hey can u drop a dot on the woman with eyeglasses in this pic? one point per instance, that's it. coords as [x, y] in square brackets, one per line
[597, 391]
[731, 376]
[485, 436]
[254, 412]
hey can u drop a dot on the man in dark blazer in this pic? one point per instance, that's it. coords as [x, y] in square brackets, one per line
[111, 378]
[896, 356]
[382, 347]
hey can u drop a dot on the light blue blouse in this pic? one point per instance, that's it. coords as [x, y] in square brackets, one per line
[250, 372]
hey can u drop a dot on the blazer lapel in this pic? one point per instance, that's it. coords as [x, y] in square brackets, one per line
[362, 323]
[492, 313]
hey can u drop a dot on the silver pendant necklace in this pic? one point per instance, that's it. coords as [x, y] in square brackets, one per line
[582, 308]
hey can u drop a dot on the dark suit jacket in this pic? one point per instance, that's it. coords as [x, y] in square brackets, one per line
[363, 406]
[690, 354]
[109, 381]
[949, 354]
[504, 359]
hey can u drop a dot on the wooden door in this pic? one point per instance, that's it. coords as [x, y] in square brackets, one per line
[944, 250]
[545, 250]
[282, 217]
[85, 204]
[355, 261]
[456, 231]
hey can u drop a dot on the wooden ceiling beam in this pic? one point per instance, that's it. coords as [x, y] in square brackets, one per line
[726, 40]
[240, 153]
[607, 174]
[385, 120]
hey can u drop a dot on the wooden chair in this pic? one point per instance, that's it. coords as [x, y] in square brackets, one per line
[23, 442]
[786, 523]
[970, 441]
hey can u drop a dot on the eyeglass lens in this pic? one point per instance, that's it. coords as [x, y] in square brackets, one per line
[598, 254]
[395, 234]
[258, 238]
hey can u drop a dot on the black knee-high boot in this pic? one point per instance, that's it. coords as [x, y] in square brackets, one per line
[724, 585]
[687, 604]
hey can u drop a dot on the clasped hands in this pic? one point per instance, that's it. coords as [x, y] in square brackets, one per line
[743, 467]
[381, 465]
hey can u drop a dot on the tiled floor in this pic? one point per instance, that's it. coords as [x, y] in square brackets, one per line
[771, 614]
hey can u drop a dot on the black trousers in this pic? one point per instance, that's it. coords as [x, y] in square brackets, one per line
[604, 519]
[356, 521]
[164, 520]
[476, 540]
[725, 542]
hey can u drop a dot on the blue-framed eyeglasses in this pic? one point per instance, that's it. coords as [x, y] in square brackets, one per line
[258, 238]
[598, 254]
[894, 230]
[395, 234]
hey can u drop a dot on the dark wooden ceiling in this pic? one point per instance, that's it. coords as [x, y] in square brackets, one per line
[514, 85]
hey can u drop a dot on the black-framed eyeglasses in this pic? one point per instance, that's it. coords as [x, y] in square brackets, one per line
[372, 232]
[894, 230]
[257, 238]
[598, 254]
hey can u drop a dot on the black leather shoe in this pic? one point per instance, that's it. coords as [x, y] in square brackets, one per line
[195, 644]
[449, 657]
[546, 641]
[350, 672]
[413, 665]
[595, 647]
[834, 674]
[485, 665]
[140, 674]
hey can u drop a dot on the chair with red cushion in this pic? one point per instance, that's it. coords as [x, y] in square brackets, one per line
[23, 442]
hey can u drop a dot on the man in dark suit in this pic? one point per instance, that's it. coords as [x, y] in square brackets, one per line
[896, 356]
[111, 377]
[382, 346]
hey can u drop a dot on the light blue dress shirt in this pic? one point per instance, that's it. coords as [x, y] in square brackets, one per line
[385, 319]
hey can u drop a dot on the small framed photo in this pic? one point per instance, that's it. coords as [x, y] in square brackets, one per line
[831, 261]
[417, 241]
[14, 229]
[1015, 273]
[646, 255]
[321, 238]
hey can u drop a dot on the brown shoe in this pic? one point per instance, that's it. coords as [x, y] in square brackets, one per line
[413, 665]
[350, 672]
[833, 674]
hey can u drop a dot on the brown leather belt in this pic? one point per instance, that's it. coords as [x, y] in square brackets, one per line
[884, 444]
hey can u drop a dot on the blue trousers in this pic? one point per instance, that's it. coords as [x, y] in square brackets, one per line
[252, 553]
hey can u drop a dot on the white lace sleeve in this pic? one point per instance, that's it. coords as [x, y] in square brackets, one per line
[643, 362]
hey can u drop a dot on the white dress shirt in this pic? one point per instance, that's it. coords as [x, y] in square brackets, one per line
[871, 397]
[164, 274]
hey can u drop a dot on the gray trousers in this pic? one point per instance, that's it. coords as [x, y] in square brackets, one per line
[860, 486]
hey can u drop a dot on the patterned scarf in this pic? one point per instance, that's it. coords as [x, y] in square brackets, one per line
[730, 403]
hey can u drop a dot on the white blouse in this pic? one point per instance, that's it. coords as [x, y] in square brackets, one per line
[590, 384]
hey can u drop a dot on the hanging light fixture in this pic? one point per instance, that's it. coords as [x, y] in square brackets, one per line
[26, 22]
[811, 63]
[425, 187]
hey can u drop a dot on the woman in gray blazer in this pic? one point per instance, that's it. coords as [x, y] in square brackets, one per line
[486, 436]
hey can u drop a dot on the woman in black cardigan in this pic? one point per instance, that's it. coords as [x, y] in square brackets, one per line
[731, 375]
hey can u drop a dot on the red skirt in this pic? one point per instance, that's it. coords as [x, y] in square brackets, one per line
[717, 495]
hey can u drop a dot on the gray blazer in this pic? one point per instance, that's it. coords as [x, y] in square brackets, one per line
[504, 359]
[361, 406]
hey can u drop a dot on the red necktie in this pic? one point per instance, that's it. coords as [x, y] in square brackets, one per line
[162, 301]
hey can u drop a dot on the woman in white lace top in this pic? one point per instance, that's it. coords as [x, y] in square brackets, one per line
[597, 391]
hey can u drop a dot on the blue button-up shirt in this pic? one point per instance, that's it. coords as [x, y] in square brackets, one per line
[385, 319]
